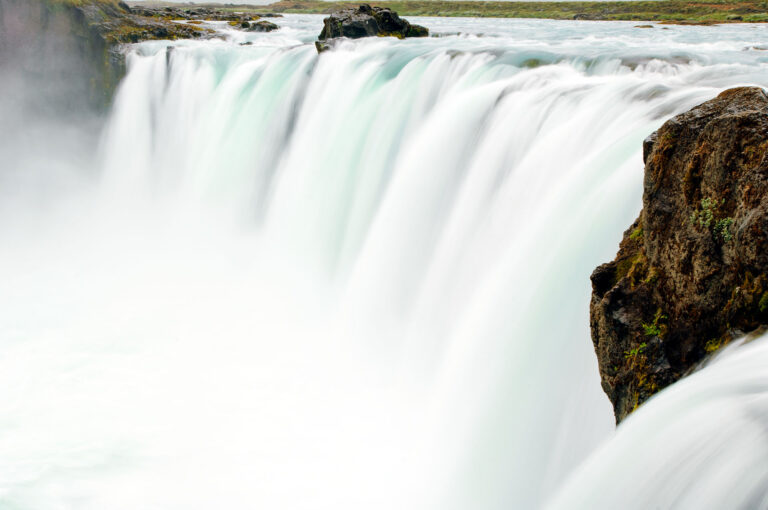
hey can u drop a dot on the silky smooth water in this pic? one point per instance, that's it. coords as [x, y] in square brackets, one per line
[360, 279]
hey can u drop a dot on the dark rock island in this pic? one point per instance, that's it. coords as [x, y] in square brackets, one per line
[367, 21]
[691, 273]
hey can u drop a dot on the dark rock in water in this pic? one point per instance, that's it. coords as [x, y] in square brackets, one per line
[326, 45]
[417, 31]
[270, 15]
[367, 21]
[692, 271]
[263, 26]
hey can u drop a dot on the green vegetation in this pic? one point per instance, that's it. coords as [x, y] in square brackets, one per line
[636, 234]
[704, 217]
[667, 11]
[763, 303]
[706, 214]
[722, 229]
[635, 352]
[713, 345]
[651, 330]
[656, 328]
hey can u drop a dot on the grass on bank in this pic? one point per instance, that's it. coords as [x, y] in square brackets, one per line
[671, 11]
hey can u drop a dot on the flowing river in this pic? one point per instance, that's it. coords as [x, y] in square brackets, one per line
[285, 281]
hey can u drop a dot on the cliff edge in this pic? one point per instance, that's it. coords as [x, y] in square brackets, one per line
[64, 53]
[692, 271]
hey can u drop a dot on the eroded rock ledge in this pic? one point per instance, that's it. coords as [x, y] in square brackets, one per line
[692, 271]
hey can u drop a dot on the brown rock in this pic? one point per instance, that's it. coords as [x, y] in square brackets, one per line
[367, 21]
[692, 271]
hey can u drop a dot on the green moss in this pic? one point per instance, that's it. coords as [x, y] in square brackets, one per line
[643, 384]
[632, 267]
[652, 276]
[722, 229]
[635, 352]
[651, 330]
[636, 234]
[713, 345]
[130, 33]
[391, 34]
[763, 303]
[703, 217]
[709, 217]
[657, 327]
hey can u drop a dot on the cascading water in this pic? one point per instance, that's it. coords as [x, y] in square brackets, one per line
[353, 280]
[701, 444]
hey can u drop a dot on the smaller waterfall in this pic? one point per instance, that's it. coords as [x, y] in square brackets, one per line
[701, 444]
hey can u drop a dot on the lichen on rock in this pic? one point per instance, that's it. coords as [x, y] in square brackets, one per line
[692, 271]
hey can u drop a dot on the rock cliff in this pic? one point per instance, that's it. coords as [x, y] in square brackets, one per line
[51, 48]
[692, 271]
[73, 44]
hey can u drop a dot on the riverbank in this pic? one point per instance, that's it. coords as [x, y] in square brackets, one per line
[667, 11]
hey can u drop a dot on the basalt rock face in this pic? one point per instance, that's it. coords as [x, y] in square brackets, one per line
[367, 21]
[50, 48]
[692, 271]
[64, 53]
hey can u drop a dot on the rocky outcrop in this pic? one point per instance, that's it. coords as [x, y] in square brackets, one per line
[195, 15]
[43, 43]
[692, 271]
[259, 26]
[367, 21]
[72, 44]
[191, 14]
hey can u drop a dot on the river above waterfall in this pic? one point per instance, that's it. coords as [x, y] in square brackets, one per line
[353, 280]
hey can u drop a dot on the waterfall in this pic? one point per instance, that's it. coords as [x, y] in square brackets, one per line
[358, 279]
[701, 444]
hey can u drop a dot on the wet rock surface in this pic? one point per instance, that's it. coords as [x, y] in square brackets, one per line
[259, 26]
[46, 42]
[367, 21]
[76, 43]
[691, 273]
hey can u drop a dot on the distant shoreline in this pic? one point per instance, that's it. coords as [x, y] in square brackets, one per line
[663, 11]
